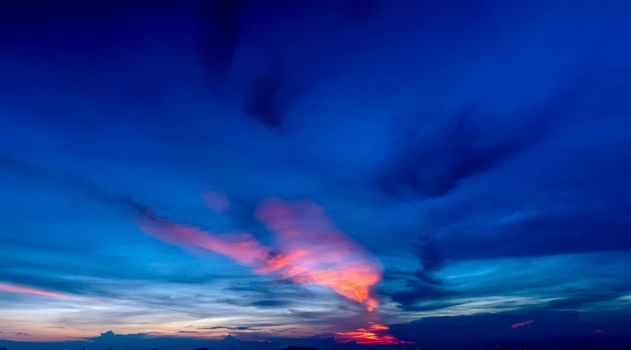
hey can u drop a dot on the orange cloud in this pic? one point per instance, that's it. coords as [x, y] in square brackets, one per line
[308, 248]
[17, 289]
[375, 334]
[317, 252]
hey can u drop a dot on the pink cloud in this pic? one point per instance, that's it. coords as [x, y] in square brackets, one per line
[317, 252]
[18, 289]
[308, 248]
[241, 247]
[522, 324]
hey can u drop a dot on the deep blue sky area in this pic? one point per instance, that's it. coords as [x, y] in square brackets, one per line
[253, 174]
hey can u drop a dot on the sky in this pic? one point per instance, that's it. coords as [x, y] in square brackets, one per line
[335, 173]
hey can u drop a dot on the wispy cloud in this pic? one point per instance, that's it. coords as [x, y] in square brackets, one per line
[307, 248]
[521, 324]
[18, 289]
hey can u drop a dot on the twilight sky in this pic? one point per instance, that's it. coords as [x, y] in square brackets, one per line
[315, 169]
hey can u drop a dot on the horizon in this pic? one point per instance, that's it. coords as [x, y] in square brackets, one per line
[340, 174]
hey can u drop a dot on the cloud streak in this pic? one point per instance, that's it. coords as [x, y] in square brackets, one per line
[19, 289]
[521, 324]
[307, 248]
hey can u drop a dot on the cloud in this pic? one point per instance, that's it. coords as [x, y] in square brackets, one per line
[268, 303]
[18, 289]
[425, 283]
[307, 249]
[433, 164]
[317, 252]
[374, 334]
[242, 247]
[500, 140]
[266, 101]
[219, 37]
[522, 324]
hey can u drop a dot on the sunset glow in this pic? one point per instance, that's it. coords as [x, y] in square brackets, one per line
[317, 175]
[308, 248]
[374, 334]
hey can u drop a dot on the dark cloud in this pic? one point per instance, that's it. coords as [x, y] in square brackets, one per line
[423, 285]
[44, 281]
[268, 290]
[268, 97]
[269, 303]
[583, 299]
[545, 234]
[417, 291]
[432, 164]
[220, 35]
[65, 178]
[430, 259]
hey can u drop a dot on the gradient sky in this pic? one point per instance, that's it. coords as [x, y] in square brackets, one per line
[315, 169]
